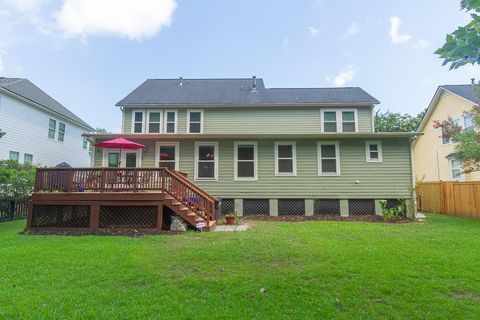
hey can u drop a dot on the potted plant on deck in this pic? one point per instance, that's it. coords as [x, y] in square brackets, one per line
[230, 218]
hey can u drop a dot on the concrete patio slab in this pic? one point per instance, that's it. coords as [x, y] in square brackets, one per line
[230, 228]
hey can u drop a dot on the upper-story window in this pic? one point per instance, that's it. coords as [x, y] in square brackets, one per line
[339, 121]
[52, 127]
[445, 140]
[374, 151]
[61, 131]
[85, 143]
[137, 122]
[154, 121]
[469, 122]
[170, 121]
[195, 121]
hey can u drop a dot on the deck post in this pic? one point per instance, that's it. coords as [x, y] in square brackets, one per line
[344, 208]
[238, 207]
[273, 207]
[94, 216]
[378, 208]
[308, 207]
[29, 213]
[160, 217]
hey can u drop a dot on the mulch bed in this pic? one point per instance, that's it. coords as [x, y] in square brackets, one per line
[300, 218]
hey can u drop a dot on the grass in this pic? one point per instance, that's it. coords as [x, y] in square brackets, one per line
[278, 270]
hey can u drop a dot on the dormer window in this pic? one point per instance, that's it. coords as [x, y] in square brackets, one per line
[339, 121]
[195, 121]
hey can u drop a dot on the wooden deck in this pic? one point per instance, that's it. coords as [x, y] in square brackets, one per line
[111, 198]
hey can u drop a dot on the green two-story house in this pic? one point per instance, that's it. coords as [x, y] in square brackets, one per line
[271, 151]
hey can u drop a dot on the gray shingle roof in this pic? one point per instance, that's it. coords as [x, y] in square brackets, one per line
[466, 91]
[29, 91]
[237, 92]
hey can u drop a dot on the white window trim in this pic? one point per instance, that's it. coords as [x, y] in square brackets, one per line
[294, 158]
[462, 176]
[255, 161]
[147, 122]
[201, 120]
[367, 151]
[319, 158]
[165, 122]
[206, 143]
[167, 144]
[132, 129]
[338, 118]
[123, 157]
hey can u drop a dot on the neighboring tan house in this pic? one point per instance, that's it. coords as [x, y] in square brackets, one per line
[39, 130]
[262, 150]
[435, 156]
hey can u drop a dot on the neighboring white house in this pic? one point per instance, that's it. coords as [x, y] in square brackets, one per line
[38, 128]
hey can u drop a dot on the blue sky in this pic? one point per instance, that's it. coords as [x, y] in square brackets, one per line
[88, 54]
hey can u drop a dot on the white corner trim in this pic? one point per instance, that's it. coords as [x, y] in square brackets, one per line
[255, 161]
[201, 119]
[337, 158]
[216, 150]
[294, 159]
[367, 151]
[175, 144]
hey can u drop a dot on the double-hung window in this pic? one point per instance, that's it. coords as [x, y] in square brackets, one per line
[468, 122]
[195, 121]
[85, 143]
[206, 160]
[167, 155]
[14, 155]
[137, 125]
[61, 131]
[339, 121]
[374, 151]
[27, 158]
[328, 159]
[154, 121]
[170, 121]
[285, 159]
[456, 170]
[52, 127]
[245, 165]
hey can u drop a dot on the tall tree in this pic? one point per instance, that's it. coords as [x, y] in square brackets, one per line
[396, 122]
[463, 47]
[101, 130]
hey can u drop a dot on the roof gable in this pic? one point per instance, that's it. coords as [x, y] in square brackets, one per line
[27, 90]
[238, 91]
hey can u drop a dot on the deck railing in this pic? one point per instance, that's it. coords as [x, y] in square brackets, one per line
[127, 180]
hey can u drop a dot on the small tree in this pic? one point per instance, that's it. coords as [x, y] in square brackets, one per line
[468, 142]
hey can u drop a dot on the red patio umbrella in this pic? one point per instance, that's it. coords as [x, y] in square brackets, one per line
[120, 144]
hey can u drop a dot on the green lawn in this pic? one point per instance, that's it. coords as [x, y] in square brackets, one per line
[309, 270]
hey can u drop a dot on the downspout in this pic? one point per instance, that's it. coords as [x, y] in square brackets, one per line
[123, 118]
[438, 166]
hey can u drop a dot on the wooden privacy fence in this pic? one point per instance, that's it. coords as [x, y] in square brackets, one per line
[11, 210]
[452, 198]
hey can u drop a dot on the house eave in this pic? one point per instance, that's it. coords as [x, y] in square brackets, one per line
[223, 105]
[253, 136]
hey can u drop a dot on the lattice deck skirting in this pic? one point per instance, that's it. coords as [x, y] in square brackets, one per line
[227, 206]
[359, 207]
[253, 207]
[128, 217]
[326, 207]
[60, 216]
[291, 207]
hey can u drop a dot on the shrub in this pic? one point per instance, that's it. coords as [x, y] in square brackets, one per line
[16, 180]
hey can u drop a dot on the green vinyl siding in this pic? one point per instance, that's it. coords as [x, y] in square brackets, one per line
[259, 119]
[388, 179]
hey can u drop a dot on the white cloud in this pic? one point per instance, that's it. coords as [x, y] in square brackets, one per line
[2, 54]
[343, 77]
[132, 19]
[422, 44]
[351, 31]
[395, 36]
[313, 31]
[24, 5]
